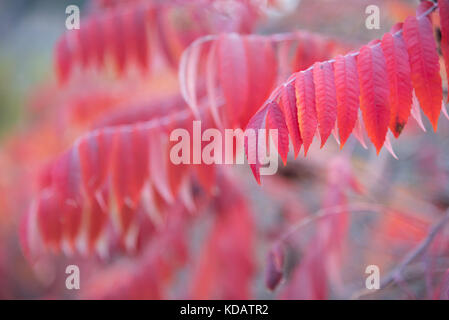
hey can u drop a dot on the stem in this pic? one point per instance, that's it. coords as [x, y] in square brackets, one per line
[325, 212]
[355, 54]
[396, 274]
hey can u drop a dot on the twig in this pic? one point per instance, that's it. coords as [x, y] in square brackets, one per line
[323, 213]
[396, 274]
[291, 79]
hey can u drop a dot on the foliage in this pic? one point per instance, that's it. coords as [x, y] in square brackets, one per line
[98, 188]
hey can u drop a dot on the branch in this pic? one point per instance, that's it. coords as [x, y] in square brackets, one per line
[396, 273]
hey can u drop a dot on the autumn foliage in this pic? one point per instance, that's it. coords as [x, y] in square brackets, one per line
[101, 191]
[407, 55]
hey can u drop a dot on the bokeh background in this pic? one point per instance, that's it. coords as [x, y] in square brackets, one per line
[389, 204]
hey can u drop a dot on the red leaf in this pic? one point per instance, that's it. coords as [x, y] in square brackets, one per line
[166, 36]
[137, 36]
[97, 40]
[306, 52]
[288, 106]
[443, 6]
[373, 42]
[305, 101]
[374, 95]
[48, 219]
[94, 152]
[233, 75]
[252, 146]
[348, 91]
[325, 98]
[64, 59]
[206, 174]
[129, 171]
[276, 121]
[115, 39]
[226, 259]
[97, 216]
[396, 27]
[175, 172]
[84, 44]
[425, 67]
[211, 80]
[275, 267]
[66, 183]
[399, 78]
[261, 73]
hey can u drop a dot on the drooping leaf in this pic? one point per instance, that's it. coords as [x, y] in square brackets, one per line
[97, 41]
[94, 152]
[64, 59]
[288, 105]
[275, 267]
[443, 6]
[305, 101]
[374, 93]
[227, 256]
[325, 98]
[253, 147]
[66, 183]
[276, 121]
[262, 71]
[97, 217]
[358, 131]
[399, 79]
[425, 67]
[233, 75]
[137, 41]
[416, 112]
